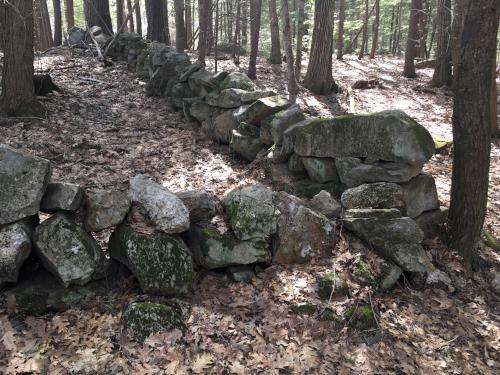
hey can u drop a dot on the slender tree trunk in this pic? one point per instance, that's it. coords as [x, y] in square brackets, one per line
[97, 14]
[189, 22]
[255, 13]
[237, 29]
[203, 14]
[16, 38]
[119, 13]
[166, 13]
[275, 57]
[375, 27]
[244, 23]
[423, 28]
[56, 4]
[180, 28]
[131, 25]
[457, 28]
[442, 71]
[411, 43]
[472, 128]
[293, 88]
[138, 18]
[319, 77]
[300, 37]
[364, 40]
[43, 31]
[216, 34]
[69, 13]
[393, 16]
[340, 40]
[397, 45]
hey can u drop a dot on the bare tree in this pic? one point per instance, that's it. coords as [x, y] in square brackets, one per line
[131, 25]
[364, 39]
[69, 13]
[204, 11]
[442, 71]
[155, 13]
[180, 28]
[300, 36]
[138, 18]
[275, 56]
[375, 28]
[43, 31]
[411, 47]
[56, 4]
[244, 23]
[189, 22]
[119, 13]
[255, 14]
[293, 88]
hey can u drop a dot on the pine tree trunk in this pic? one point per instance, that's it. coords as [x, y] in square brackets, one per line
[155, 13]
[189, 21]
[364, 39]
[203, 14]
[319, 77]
[119, 13]
[138, 18]
[43, 32]
[166, 21]
[411, 43]
[57, 22]
[300, 38]
[293, 88]
[423, 26]
[237, 30]
[180, 28]
[442, 71]
[131, 25]
[255, 14]
[275, 56]
[16, 34]
[340, 40]
[69, 13]
[97, 14]
[375, 27]
[244, 23]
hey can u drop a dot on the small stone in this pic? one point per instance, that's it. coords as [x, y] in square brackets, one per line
[240, 273]
[62, 197]
[283, 120]
[105, 209]
[246, 146]
[390, 274]
[324, 203]
[378, 213]
[375, 195]
[431, 221]
[321, 170]
[420, 195]
[15, 247]
[200, 203]
[439, 279]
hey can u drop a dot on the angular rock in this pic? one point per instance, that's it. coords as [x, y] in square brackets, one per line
[281, 173]
[276, 156]
[307, 188]
[321, 169]
[237, 80]
[246, 146]
[283, 120]
[197, 65]
[240, 273]
[263, 108]
[249, 97]
[431, 221]
[142, 319]
[376, 195]
[388, 135]
[200, 203]
[230, 98]
[439, 279]
[265, 131]
[290, 134]
[390, 274]
[162, 264]
[105, 209]
[23, 180]
[224, 124]
[420, 195]
[353, 172]
[324, 203]
[201, 82]
[377, 213]
[15, 247]
[68, 252]
[251, 212]
[62, 197]
[212, 250]
[302, 233]
[179, 92]
[172, 66]
[200, 111]
[162, 206]
[296, 164]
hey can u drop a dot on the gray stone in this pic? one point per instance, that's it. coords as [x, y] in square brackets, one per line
[162, 206]
[307, 188]
[390, 274]
[201, 82]
[439, 279]
[246, 146]
[321, 169]
[290, 134]
[276, 156]
[179, 92]
[197, 65]
[62, 197]
[162, 264]
[251, 212]
[200, 203]
[23, 180]
[230, 98]
[283, 120]
[420, 195]
[324, 203]
[431, 221]
[354, 172]
[172, 64]
[263, 108]
[265, 131]
[281, 174]
[388, 135]
[15, 247]
[224, 124]
[237, 80]
[249, 130]
[249, 97]
[296, 164]
[68, 252]
[240, 273]
[302, 233]
[376, 195]
[105, 209]
[200, 111]
[378, 213]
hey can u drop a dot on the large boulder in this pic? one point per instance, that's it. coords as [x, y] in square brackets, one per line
[23, 180]
[163, 207]
[388, 135]
[353, 172]
[200, 203]
[376, 195]
[162, 264]
[251, 212]
[237, 80]
[420, 195]
[212, 250]
[62, 197]
[68, 252]
[105, 209]
[15, 247]
[302, 234]
[262, 108]
[321, 170]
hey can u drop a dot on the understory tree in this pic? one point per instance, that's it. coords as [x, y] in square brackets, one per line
[411, 41]
[275, 56]
[255, 14]
[56, 4]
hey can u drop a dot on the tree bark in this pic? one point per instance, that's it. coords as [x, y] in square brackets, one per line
[300, 37]
[189, 22]
[237, 31]
[472, 128]
[375, 28]
[155, 13]
[203, 14]
[166, 21]
[364, 39]
[69, 13]
[411, 42]
[97, 14]
[340, 39]
[293, 88]
[43, 31]
[180, 28]
[275, 56]
[138, 18]
[16, 34]
[319, 77]
[119, 13]
[131, 24]
[442, 71]
[423, 27]
[56, 4]
[255, 14]
[244, 23]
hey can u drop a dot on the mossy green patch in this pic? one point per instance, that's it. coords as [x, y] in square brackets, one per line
[361, 317]
[304, 309]
[363, 271]
[325, 286]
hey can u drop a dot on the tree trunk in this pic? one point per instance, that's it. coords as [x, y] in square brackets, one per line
[131, 25]
[180, 28]
[319, 77]
[119, 13]
[97, 14]
[189, 22]
[166, 21]
[472, 128]
[216, 34]
[138, 18]
[293, 88]
[423, 26]
[255, 13]
[397, 45]
[375, 27]
[16, 34]
[442, 71]
[457, 28]
[364, 40]
[237, 30]
[204, 16]
[300, 37]
[155, 13]
[495, 128]
[275, 56]
[57, 22]
[69, 13]
[43, 31]
[244, 23]
[340, 40]
[411, 43]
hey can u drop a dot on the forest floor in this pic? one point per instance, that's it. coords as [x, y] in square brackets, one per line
[103, 130]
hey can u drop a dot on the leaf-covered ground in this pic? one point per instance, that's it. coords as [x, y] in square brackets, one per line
[103, 130]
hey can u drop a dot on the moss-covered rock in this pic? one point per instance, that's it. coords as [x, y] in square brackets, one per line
[303, 309]
[321, 170]
[363, 272]
[375, 195]
[237, 80]
[378, 213]
[262, 109]
[361, 317]
[142, 319]
[325, 286]
[162, 264]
